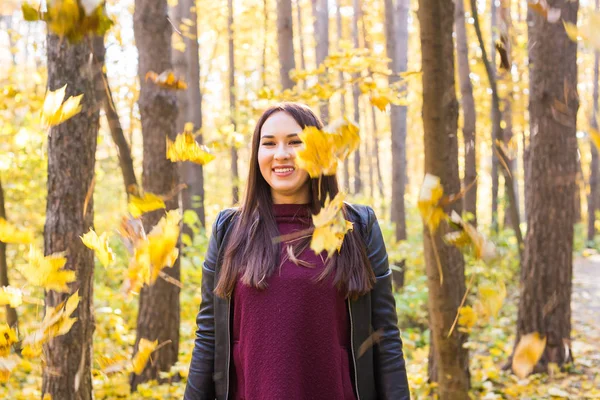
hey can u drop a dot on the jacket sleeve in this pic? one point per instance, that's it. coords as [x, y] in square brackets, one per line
[200, 383]
[390, 368]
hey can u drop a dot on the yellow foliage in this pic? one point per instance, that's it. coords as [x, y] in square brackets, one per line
[11, 234]
[7, 338]
[330, 227]
[145, 203]
[185, 148]
[47, 271]
[527, 354]
[56, 322]
[430, 195]
[10, 296]
[54, 111]
[167, 80]
[470, 236]
[467, 317]
[490, 299]
[63, 16]
[100, 246]
[317, 156]
[344, 134]
[145, 348]
[595, 137]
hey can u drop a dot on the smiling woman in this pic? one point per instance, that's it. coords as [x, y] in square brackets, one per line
[277, 320]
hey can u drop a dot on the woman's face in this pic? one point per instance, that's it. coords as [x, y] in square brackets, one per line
[279, 141]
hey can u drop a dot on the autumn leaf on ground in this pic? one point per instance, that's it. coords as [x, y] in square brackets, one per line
[100, 246]
[318, 155]
[57, 321]
[167, 80]
[47, 271]
[429, 198]
[10, 296]
[145, 203]
[55, 111]
[186, 148]
[145, 348]
[11, 234]
[468, 236]
[527, 354]
[330, 227]
[467, 318]
[344, 134]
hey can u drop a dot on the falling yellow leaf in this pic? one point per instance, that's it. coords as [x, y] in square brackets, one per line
[63, 16]
[469, 236]
[55, 111]
[146, 203]
[11, 234]
[57, 321]
[490, 299]
[318, 155]
[587, 31]
[595, 137]
[527, 354]
[467, 317]
[47, 271]
[429, 197]
[145, 348]
[185, 148]
[380, 102]
[10, 296]
[33, 351]
[132, 232]
[167, 80]
[100, 246]
[344, 134]
[330, 227]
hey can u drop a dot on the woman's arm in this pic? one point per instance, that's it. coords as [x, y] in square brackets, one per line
[200, 383]
[390, 369]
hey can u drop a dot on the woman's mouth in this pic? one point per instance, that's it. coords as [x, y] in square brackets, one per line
[283, 171]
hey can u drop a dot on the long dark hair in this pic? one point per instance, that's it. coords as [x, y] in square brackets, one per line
[251, 251]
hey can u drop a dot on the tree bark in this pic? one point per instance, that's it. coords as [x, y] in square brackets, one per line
[158, 316]
[355, 98]
[340, 33]
[469, 114]
[235, 176]
[285, 42]
[321, 28]
[11, 313]
[69, 215]
[496, 116]
[299, 26]
[545, 298]
[104, 96]
[396, 30]
[440, 119]
[594, 179]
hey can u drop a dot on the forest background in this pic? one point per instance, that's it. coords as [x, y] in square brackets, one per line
[494, 105]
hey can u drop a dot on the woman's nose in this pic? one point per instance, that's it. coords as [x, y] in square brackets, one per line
[282, 153]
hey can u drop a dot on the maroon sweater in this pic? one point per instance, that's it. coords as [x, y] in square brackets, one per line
[292, 340]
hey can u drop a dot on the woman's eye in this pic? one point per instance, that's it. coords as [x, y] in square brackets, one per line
[296, 142]
[268, 143]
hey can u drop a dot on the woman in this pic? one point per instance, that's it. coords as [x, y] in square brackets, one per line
[278, 321]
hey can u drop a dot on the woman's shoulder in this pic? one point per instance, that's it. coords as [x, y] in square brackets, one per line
[360, 214]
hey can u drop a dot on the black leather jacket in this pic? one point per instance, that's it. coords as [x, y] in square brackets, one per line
[379, 373]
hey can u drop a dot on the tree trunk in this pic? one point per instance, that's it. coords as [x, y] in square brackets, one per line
[396, 31]
[192, 174]
[545, 299]
[104, 96]
[594, 190]
[71, 160]
[285, 42]
[355, 98]
[340, 33]
[496, 116]
[235, 176]
[263, 63]
[299, 26]
[469, 114]
[158, 316]
[440, 119]
[321, 28]
[11, 313]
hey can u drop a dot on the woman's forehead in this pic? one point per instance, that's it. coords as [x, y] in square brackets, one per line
[280, 124]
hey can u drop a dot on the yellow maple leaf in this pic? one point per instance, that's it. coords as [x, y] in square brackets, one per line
[185, 148]
[11, 234]
[145, 203]
[47, 271]
[7, 337]
[380, 102]
[344, 134]
[330, 227]
[10, 296]
[469, 236]
[490, 299]
[57, 321]
[527, 354]
[429, 197]
[100, 246]
[167, 80]
[317, 156]
[63, 16]
[467, 317]
[145, 348]
[54, 111]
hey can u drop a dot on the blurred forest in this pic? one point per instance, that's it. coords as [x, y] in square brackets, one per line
[478, 125]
